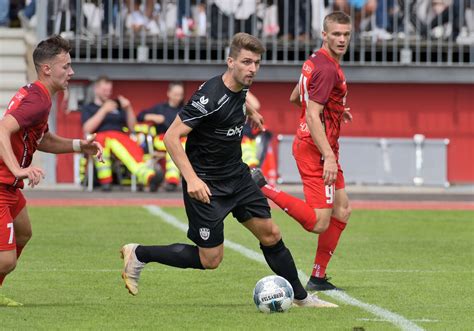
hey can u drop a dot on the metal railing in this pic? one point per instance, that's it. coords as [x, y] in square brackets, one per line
[417, 32]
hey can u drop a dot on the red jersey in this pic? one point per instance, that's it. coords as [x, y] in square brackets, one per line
[322, 80]
[30, 107]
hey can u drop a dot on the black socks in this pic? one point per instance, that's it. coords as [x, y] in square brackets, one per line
[175, 255]
[281, 262]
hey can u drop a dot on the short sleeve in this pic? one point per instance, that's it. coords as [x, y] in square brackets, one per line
[197, 109]
[322, 82]
[32, 110]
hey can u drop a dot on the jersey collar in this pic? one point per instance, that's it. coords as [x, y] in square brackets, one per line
[45, 90]
[326, 54]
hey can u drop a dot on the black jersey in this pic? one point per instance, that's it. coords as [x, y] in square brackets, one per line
[217, 116]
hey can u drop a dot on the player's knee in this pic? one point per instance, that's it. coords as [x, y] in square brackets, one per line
[271, 237]
[343, 213]
[322, 223]
[347, 213]
[210, 259]
[211, 262]
[23, 238]
[320, 227]
[7, 265]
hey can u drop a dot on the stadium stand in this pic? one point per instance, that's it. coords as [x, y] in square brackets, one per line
[414, 70]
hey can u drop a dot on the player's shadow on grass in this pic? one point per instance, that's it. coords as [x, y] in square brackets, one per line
[218, 305]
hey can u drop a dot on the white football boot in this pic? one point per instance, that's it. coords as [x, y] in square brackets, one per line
[131, 268]
[312, 300]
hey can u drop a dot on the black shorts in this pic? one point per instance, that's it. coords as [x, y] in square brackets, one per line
[240, 195]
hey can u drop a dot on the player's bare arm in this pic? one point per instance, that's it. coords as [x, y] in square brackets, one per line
[256, 119]
[320, 140]
[251, 101]
[197, 189]
[252, 106]
[52, 143]
[91, 125]
[295, 96]
[8, 126]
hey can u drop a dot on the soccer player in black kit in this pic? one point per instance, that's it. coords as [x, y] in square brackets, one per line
[216, 181]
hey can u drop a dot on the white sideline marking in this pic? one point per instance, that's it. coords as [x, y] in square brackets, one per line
[407, 271]
[384, 314]
[424, 320]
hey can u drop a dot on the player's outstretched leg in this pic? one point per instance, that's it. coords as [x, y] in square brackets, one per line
[135, 257]
[298, 209]
[132, 268]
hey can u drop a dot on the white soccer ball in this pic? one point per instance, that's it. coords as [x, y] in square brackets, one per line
[273, 294]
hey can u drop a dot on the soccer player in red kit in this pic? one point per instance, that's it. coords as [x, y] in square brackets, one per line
[23, 130]
[321, 94]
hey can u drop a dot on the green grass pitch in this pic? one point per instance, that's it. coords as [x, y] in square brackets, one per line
[417, 264]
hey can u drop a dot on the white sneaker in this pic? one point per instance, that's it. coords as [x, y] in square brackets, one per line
[313, 301]
[382, 34]
[131, 268]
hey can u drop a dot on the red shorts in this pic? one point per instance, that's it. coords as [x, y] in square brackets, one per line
[12, 202]
[308, 159]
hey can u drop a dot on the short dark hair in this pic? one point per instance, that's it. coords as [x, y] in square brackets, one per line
[48, 49]
[245, 41]
[175, 83]
[336, 17]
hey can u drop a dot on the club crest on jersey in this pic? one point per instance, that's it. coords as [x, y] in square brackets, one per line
[204, 233]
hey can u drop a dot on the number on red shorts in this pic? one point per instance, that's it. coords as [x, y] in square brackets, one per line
[329, 193]
[10, 226]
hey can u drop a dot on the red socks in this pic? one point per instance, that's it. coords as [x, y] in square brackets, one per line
[327, 243]
[306, 216]
[296, 208]
[19, 249]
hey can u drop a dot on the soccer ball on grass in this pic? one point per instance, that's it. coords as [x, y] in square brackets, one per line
[273, 294]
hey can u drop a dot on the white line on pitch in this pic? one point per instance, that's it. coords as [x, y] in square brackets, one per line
[401, 271]
[423, 320]
[393, 318]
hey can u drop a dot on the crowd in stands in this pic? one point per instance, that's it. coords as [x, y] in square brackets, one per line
[286, 20]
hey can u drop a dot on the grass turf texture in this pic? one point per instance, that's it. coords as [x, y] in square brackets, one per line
[418, 264]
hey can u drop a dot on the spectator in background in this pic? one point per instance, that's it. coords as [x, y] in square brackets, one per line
[107, 117]
[162, 115]
[384, 17]
[287, 13]
[442, 13]
[26, 14]
[184, 21]
[357, 9]
[231, 16]
[4, 13]
[142, 15]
